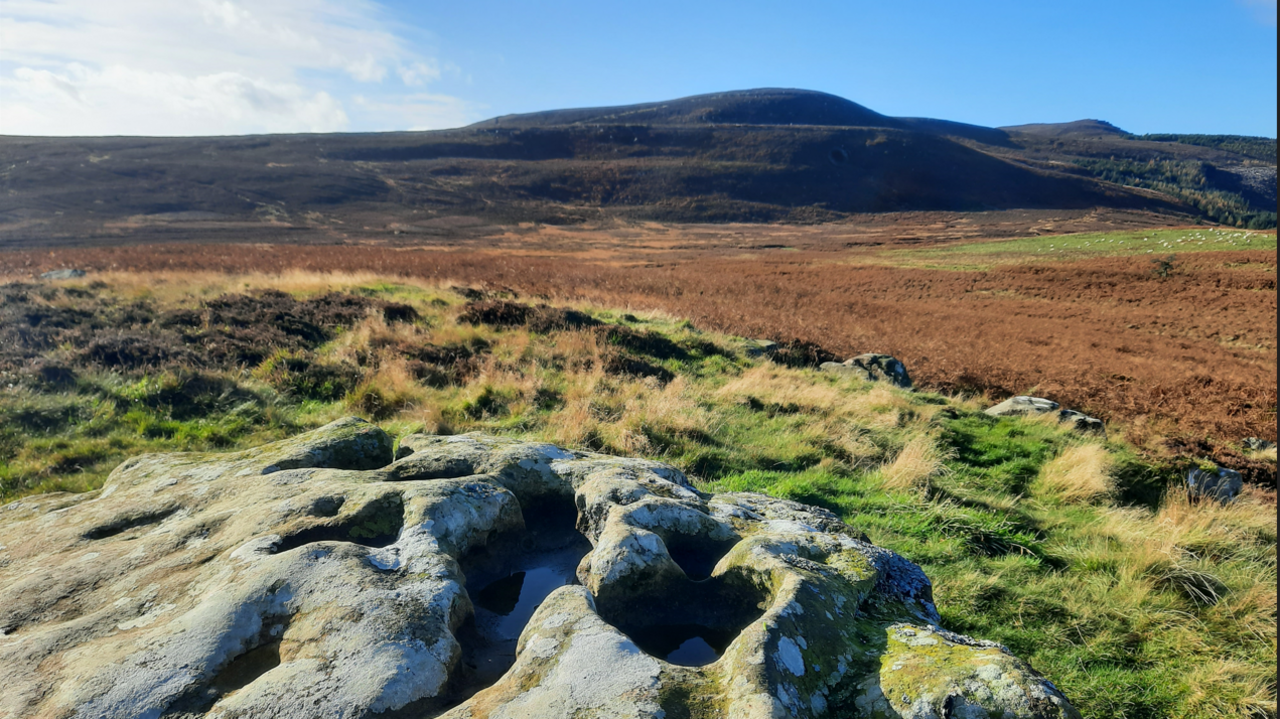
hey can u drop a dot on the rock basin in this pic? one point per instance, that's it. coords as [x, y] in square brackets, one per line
[323, 576]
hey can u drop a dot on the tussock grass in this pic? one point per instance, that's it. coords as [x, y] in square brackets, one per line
[1265, 455]
[1082, 473]
[920, 460]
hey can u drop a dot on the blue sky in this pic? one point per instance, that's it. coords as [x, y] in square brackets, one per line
[234, 66]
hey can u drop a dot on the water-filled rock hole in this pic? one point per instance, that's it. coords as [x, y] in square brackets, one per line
[689, 645]
[507, 579]
[687, 623]
[697, 556]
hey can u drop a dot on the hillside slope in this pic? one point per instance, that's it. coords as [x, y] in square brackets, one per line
[756, 156]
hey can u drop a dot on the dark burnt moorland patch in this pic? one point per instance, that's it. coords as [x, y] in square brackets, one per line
[540, 318]
[91, 372]
[93, 330]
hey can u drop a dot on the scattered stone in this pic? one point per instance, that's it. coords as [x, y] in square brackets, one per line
[873, 368]
[1254, 444]
[760, 348]
[1023, 405]
[63, 274]
[322, 572]
[1221, 484]
[1082, 422]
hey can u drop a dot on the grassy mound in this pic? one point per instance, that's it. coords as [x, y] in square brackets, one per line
[1080, 554]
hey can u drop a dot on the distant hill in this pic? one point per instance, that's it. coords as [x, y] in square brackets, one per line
[770, 106]
[751, 156]
[1079, 128]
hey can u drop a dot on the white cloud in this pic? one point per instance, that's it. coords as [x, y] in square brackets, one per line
[159, 67]
[422, 111]
[419, 73]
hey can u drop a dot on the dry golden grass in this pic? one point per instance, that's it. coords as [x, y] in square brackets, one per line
[1082, 473]
[775, 384]
[1189, 522]
[627, 414]
[1218, 558]
[920, 460]
[1230, 689]
[1265, 455]
[877, 406]
[389, 391]
[1192, 545]
[172, 287]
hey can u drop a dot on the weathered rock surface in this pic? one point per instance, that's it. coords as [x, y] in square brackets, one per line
[760, 348]
[322, 577]
[1022, 406]
[1082, 422]
[1221, 484]
[66, 274]
[1254, 444]
[873, 368]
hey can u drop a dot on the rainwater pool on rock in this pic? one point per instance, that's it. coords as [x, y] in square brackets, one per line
[507, 581]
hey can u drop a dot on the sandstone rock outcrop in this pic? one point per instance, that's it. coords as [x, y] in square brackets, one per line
[874, 368]
[1021, 406]
[472, 576]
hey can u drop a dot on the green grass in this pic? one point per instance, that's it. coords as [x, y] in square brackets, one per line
[1156, 243]
[1056, 584]
[1136, 604]
[72, 438]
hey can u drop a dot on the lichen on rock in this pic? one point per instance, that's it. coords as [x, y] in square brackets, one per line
[323, 576]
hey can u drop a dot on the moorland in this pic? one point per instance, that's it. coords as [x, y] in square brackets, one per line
[1082, 553]
[1186, 362]
[593, 278]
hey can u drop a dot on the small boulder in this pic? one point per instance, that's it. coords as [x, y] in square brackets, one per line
[1022, 405]
[760, 348]
[1254, 444]
[1082, 422]
[873, 367]
[64, 274]
[1221, 484]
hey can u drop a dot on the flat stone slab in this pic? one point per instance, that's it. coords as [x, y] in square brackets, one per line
[873, 368]
[1022, 406]
[66, 274]
[324, 577]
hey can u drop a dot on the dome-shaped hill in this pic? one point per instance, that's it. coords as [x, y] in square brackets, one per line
[1079, 128]
[771, 106]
